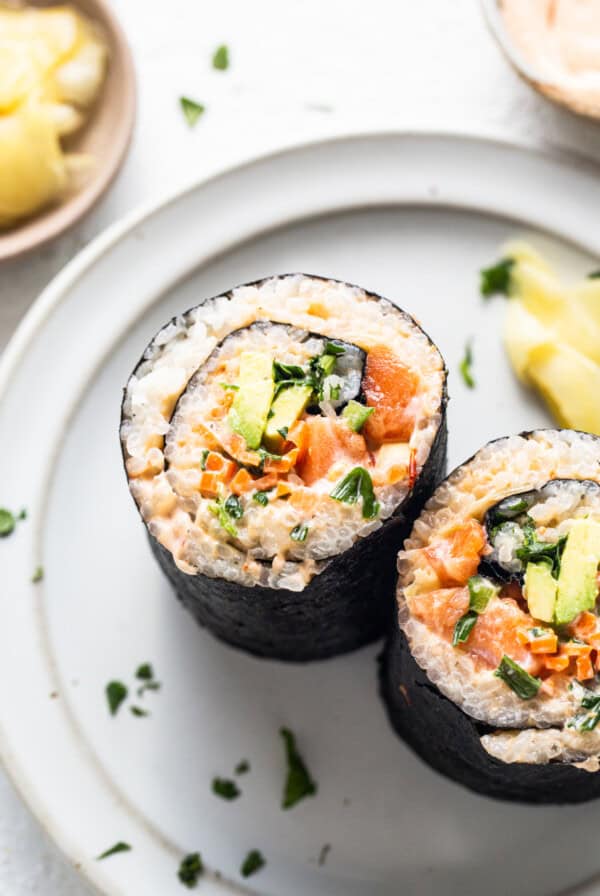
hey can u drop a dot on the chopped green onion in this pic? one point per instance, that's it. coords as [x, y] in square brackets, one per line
[496, 279]
[217, 509]
[481, 591]
[116, 692]
[299, 532]
[229, 387]
[261, 498]
[220, 58]
[253, 862]
[285, 372]
[38, 575]
[465, 367]
[513, 506]
[326, 363]
[203, 457]
[190, 869]
[464, 627]
[118, 847]
[521, 682]
[357, 484]
[356, 415]
[298, 783]
[225, 788]
[535, 551]
[332, 348]
[191, 110]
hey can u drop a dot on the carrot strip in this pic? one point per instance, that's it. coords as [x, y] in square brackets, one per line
[208, 485]
[584, 668]
[584, 625]
[572, 648]
[557, 663]
[241, 482]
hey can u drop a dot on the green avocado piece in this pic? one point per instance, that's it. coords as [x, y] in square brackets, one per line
[286, 409]
[577, 581]
[540, 591]
[248, 414]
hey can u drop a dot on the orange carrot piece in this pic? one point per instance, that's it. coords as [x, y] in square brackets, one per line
[283, 464]
[557, 663]
[209, 484]
[265, 482]
[546, 643]
[584, 625]
[584, 668]
[241, 482]
[282, 490]
[572, 648]
[594, 640]
[299, 436]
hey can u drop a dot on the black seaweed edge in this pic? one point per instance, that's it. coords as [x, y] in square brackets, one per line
[350, 602]
[448, 739]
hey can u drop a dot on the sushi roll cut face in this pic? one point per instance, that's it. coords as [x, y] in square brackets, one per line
[269, 430]
[498, 600]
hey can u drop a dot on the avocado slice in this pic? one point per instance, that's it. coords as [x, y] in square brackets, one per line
[248, 414]
[289, 405]
[577, 581]
[540, 591]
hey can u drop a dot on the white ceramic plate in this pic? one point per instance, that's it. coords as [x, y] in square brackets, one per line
[413, 217]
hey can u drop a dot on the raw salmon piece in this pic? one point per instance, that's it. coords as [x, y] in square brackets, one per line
[329, 440]
[389, 387]
[455, 556]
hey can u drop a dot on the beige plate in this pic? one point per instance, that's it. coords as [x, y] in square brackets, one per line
[562, 96]
[106, 137]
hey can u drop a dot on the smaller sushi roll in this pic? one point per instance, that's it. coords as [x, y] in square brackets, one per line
[493, 672]
[276, 441]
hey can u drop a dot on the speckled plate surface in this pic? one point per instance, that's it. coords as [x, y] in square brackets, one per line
[413, 217]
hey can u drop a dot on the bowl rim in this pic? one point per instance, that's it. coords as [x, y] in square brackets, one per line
[39, 230]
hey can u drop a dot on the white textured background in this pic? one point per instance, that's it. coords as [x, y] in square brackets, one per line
[300, 69]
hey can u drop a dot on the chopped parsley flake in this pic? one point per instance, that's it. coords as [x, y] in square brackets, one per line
[121, 846]
[138, 711]
[225, 788]
[7, 522]
[261, 498]
[298, 782]
[190, 869]
[219, 510]
[253, 862]
[220, 58]
[242, 767]
[233, 507]
[594, 275]
[145, 672]
[465, 367]
[116, 693]
[38, 575]
[496, 279]
[357, 484]
[191, 110]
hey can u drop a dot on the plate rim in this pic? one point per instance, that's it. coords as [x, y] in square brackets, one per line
[58, 289]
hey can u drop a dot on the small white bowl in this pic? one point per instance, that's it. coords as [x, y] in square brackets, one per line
[106, 137]
[553, 91]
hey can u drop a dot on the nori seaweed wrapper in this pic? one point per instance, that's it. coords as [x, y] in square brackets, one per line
[347, 605]
[449, 740]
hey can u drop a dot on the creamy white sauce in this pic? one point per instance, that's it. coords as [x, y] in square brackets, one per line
[560, 41]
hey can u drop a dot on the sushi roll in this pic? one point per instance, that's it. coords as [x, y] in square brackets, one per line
[492, 674]
[276, 440]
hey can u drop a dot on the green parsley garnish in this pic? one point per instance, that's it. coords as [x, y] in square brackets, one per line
[325, 850]
[298, 783]
[594, 275]
[190, 869]
[116, 692]
[121, 846]
[7, 522]
[144, 672]
[38, 575]
[191, 110]
[261, 498]
[253, 862]
[138, 711]
[465, 367]
[225, 788]
[220, 58]
[521, 682]
[357, 484]
[242, 767]
[496, 279]
[299, 532]
[332, 348]
[535, 551]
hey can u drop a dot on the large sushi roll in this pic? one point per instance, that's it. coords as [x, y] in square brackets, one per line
[492, 675]
[276, 440]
